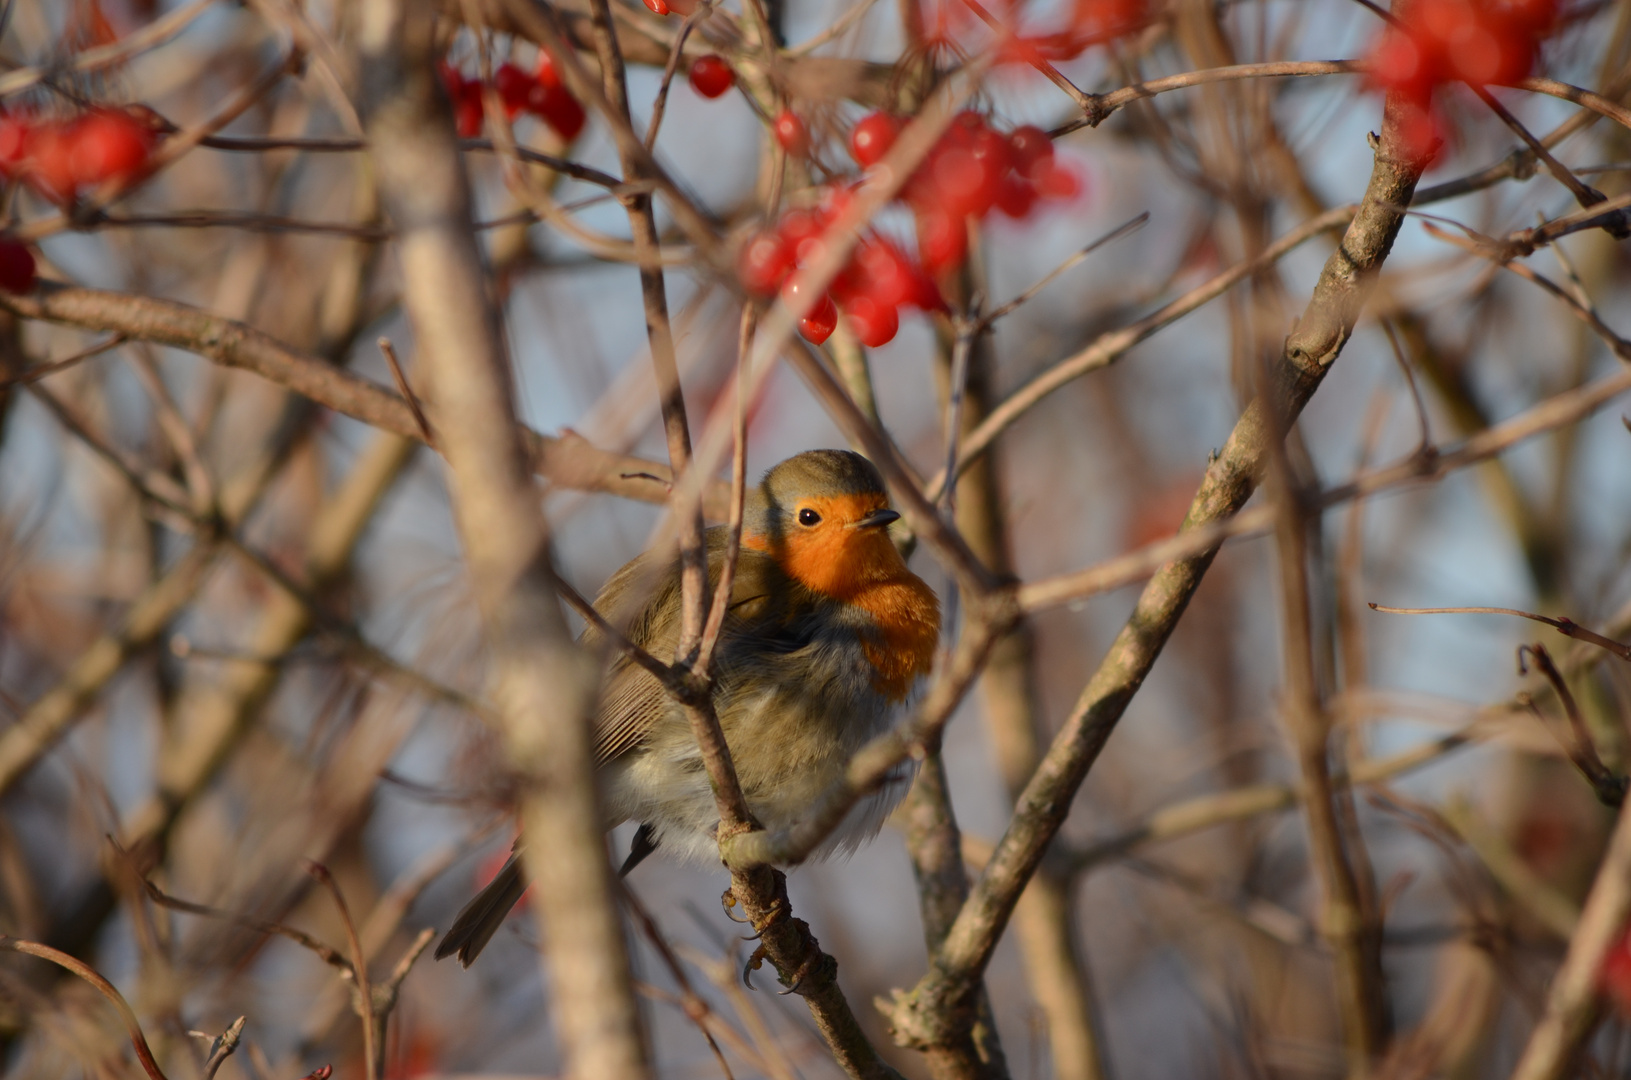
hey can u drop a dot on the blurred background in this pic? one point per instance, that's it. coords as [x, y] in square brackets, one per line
[217, 731]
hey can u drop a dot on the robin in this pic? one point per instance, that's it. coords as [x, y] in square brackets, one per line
[827, 639]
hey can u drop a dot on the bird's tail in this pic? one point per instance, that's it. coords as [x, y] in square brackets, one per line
[480, 919]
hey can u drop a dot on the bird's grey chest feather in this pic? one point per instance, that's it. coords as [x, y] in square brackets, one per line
[794, 708]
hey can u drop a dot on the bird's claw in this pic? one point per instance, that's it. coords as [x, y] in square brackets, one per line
[729, 900]
[754, 963]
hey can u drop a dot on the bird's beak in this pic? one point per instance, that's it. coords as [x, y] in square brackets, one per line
[876, 520]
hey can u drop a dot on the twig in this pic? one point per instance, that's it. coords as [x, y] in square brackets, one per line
[223, 1048]
[389, 351]
[660, 102]
[359, 971]
[1110, 346]
[329, 956]
[658, 670]
[1088, 103]
[1047, 279]
[693, 1005]
[1104, 105]
[1352, 931]
[49, 716]
[1567, 627]
[1610, 789]
[1551, 908]
[1425, 441]
[147, 37]
[715, 624]
[51, 367]
[567, 460]
[78, 967]
[1586, 195]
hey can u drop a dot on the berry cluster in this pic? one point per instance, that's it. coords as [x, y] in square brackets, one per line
[1479, 42]
[542, 94]
[61, 158]
[875, 283]
[972, 170]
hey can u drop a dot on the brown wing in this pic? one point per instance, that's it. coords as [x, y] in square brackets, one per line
[632, 702]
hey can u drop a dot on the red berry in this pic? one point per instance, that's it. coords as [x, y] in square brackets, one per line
[1615, 974]
[514, 87]
[657, 6]
[835, 199]
[764, 261]
[107, 145]
[452, 81]
[16, 266]
[16, 132]
[1398, 62]
[1058, 181]
[791, 133]
[818, 325]
[926, 294]
[711, 76]
[560, 110]
[1016, 197]
[49, 167]
[1029, 146]
[874, 324]
[942, 240]
[966, 124]
[546, 75]
[801, 230]
[872, 137]
[960, 180]
[467, 111]
[885, 273]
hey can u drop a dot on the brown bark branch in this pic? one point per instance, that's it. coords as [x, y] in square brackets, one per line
[543, 685]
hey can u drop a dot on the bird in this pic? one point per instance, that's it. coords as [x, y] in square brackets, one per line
[828, 638]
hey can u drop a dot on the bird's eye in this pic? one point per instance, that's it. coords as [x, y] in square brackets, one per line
[808, 517]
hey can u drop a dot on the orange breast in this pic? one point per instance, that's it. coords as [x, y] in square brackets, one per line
[908, 616]
[862, 567]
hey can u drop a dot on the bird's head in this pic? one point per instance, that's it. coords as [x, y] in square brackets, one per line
[824, 516]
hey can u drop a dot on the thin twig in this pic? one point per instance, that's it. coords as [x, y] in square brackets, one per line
[51, 367]
[1565, 626]
[223, 1048]
[78, 967]
[359, 969]
[1610, 789]
[660, 102]
[403, 388]
[693, 1005]
[1047, 279]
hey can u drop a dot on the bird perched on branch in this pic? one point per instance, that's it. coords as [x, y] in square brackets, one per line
[827, 638]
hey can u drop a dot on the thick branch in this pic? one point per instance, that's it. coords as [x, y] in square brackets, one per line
[1309, 351]
[543, 685]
